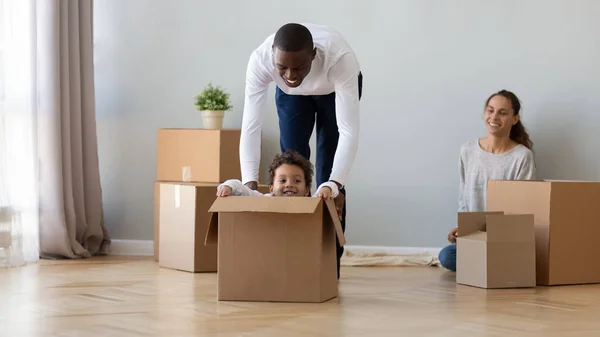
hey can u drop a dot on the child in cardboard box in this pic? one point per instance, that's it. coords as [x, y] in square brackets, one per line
[504, 154]
[290, 175]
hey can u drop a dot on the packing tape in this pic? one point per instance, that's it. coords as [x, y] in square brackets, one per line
[177, 196]
[186, 174]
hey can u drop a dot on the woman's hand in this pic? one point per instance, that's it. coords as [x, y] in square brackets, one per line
[452, 235]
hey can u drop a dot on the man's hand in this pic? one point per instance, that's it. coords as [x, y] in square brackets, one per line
[339, 203]
[338, 184]
[325, 192]
[252, 184]
[452, 235]
[225, 191]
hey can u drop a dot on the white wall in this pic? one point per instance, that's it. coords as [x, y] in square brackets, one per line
[428, 67]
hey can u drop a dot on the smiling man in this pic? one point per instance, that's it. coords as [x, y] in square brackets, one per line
[318, 80]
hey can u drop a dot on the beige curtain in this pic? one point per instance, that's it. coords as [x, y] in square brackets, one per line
[70, 197]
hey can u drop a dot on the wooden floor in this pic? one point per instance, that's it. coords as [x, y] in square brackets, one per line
[134, 297]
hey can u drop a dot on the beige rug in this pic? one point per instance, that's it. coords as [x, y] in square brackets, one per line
[383, 259]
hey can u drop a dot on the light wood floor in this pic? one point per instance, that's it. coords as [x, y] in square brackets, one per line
[134, 297]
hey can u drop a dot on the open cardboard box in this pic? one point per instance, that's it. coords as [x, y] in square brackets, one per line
[567, 225]
[495, 250]
[280, 249]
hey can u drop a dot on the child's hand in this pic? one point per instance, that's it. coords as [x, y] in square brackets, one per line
[452, 235]
[224, 191]
[325, 192]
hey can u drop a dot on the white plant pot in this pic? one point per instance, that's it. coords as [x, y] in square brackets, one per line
[212, 120]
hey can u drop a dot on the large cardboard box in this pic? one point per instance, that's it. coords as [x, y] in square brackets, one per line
[495, 250]
[204, 199]
[183, 217]
[198, 155]
[567, 225]
[279, 249]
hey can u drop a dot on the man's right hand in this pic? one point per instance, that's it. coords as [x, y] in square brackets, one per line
[452, 235]
[253, 185]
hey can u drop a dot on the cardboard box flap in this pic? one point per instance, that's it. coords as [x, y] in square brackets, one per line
[297, 205]
[480, 236]
[336, 221]
[471, 222]
[272, 205]
[511, 228]
[212, 234]
[569, 181]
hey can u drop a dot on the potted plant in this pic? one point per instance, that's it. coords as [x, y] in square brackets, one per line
[212, 102]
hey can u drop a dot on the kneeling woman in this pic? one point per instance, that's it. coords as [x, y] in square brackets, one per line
[504, 154]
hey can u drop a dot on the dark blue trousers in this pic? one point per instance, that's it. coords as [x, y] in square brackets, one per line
[297, 117]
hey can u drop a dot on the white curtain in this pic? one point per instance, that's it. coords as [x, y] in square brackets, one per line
[50, 194]
[19, 199]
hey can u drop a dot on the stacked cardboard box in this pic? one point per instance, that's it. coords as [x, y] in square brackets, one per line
[191, 163]
[264, 249]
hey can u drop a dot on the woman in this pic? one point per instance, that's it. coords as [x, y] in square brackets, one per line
[504, 154]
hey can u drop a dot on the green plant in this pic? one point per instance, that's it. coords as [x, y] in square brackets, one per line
[212, 98]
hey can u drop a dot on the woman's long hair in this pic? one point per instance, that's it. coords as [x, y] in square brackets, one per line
[517, 132]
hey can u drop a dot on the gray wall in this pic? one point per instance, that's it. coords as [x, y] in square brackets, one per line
[428, 67]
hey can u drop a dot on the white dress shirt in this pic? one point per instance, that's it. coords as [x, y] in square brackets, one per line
[334, 69]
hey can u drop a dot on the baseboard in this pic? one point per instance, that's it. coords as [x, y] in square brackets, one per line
[146, 248]
[131, 247]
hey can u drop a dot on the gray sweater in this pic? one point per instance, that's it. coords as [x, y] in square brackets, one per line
[477, 166]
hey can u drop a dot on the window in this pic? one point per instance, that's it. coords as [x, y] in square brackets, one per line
[2, 30]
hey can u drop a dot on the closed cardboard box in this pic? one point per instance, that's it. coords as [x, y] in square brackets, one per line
[567, 225]
[198, 155]
[205, 199]
[279, 249]
[495, 250]
[183, 216]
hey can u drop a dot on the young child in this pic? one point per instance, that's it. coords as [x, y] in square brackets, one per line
[290, 175]
[504, 154]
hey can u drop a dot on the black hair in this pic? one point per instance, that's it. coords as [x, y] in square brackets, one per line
[292, 158]
[293, 37]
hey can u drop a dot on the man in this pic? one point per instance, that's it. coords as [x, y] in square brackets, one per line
[318, 78]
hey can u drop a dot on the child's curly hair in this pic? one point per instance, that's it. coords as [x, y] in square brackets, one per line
[292, 158]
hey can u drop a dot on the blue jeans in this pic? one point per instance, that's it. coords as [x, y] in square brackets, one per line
[297, 115]
[447, 257]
